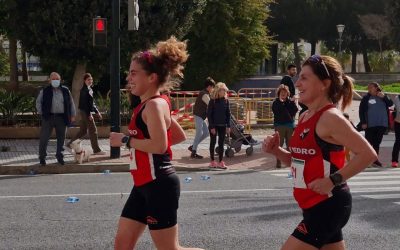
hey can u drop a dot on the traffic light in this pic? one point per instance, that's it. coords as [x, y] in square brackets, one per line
[100, 32]
[133, 15]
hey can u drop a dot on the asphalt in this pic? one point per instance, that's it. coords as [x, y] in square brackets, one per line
[21, 156]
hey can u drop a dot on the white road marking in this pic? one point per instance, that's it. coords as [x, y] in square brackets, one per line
[382, 196]
[111, 194]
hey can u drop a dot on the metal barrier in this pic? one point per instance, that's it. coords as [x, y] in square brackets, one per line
[249, 106]
[258, 105]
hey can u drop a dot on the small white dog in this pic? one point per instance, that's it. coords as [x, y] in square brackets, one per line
[81, 153]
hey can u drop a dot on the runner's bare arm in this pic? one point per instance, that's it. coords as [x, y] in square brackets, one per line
[344, 134]
[177, 133]
[154, 115]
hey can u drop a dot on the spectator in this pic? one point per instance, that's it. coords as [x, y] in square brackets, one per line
[396, 145]
[374, 119]
[288, 79]
[284, 110]
[218, 115]
[56, 106]
[200, 115]
[87, 108]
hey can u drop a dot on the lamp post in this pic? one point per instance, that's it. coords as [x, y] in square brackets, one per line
[340, 29]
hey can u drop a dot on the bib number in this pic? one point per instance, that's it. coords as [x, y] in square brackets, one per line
[298, 173]
[132, 159]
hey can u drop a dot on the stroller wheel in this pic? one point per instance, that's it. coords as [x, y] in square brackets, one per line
[237, 149]
[216, 150]
[249, 151]
[229, 153]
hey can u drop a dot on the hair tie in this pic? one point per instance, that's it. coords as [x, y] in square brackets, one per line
[147, 55]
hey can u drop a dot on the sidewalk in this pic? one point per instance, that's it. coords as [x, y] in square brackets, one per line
[22, 156]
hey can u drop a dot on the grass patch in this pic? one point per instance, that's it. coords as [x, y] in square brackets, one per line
[390, 87]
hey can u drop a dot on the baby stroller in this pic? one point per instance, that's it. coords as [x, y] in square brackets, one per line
[237, 138]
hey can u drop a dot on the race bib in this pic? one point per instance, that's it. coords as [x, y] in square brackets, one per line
[298, 173]
[132, 159]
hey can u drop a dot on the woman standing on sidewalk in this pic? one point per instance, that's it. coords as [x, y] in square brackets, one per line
[218, 115]
[396, 145]
[87, 108]
[316, 156]
[284, 109]
[374, 117]
[155, 196]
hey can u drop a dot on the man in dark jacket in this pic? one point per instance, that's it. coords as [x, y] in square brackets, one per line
[87, 107]
[200, 115]
[56, 106]
[374, 119]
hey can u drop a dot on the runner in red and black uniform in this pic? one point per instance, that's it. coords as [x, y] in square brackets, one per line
[317, 157]
[154, 199]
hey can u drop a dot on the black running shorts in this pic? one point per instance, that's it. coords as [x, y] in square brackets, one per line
[322, 224]
[154, 204]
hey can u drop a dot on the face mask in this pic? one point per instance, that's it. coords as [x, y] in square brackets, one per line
[55, 83]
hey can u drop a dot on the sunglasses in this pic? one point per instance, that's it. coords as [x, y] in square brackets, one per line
[316, 59]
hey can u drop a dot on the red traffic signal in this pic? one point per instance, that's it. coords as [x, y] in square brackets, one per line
[100, 24]
[100, 31]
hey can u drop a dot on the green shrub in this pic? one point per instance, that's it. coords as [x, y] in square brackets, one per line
[13, 104]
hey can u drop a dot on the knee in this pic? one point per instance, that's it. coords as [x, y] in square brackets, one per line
[124, 241]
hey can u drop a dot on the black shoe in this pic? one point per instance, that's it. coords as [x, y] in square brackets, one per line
[61, 161]
[196, 156]
[42, 162]
[377, 164]
[190, 148]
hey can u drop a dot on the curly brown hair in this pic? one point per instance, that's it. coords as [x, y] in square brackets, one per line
[166, 60]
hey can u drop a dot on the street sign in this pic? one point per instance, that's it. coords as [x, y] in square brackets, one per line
[133, 15]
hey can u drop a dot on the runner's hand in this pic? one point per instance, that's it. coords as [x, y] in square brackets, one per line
[321, 186]
[271, 143]
[116, 139]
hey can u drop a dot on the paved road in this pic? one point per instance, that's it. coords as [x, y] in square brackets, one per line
[232, 210]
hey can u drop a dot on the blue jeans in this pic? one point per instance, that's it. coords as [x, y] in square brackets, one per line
[201, 131]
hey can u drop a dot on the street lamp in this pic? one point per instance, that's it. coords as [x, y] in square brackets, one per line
[340, 29]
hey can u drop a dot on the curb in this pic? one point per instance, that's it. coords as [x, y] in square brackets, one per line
[79, 168]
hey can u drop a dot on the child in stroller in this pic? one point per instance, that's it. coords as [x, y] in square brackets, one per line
[237, 138]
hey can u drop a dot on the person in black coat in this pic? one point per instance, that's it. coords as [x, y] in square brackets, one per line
[87, 108]
[284, 109]
[218, 115]
[374, 119]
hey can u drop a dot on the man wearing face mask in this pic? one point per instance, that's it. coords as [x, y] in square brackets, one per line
[56, 106]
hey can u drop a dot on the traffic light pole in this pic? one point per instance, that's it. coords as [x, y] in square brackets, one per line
[115, 152]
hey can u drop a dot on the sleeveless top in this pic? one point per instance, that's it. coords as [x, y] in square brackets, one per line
[145, 167]
[313, 158]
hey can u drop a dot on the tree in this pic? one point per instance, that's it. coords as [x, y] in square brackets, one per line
[228, 40]
[59, 32]
[376, 27]
[393, 13]
[7, 20]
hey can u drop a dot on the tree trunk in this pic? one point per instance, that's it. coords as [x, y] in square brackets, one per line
[13, 63]
[354, 61]
[365, 59]
[77, 83]
[296, 54]
[313, 47]
[25, 74]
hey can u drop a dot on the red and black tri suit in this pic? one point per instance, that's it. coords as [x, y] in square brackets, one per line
[313, 158]
[155, 196]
